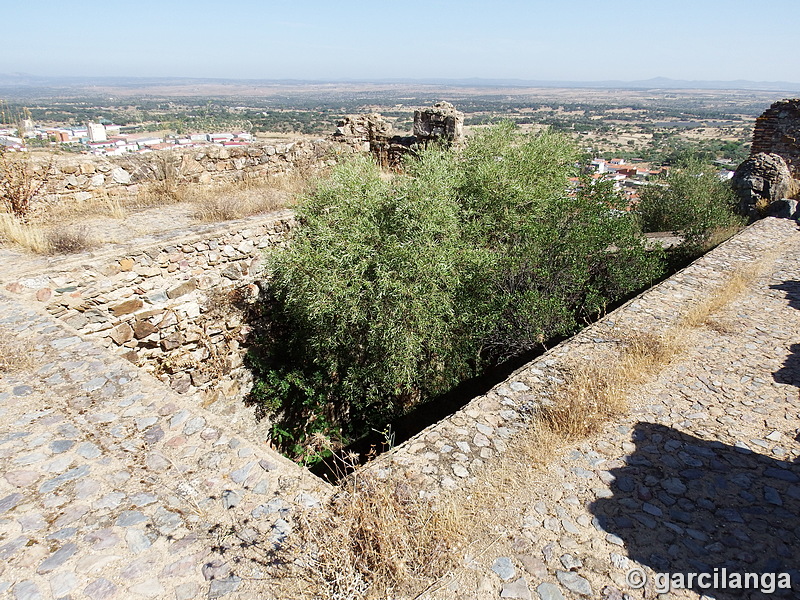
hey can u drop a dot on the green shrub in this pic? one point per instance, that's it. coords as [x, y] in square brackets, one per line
[692, 202]
[395, 290]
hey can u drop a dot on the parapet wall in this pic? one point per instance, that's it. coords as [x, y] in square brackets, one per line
[82, 178]
[169, 306]
[449, 453]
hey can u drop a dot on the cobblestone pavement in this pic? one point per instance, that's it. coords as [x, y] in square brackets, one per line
[113, 486]
[701, 476]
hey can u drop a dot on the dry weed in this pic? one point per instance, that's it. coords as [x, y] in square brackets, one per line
[27, 235]
[375, 539]
[589, 397]
[68, 239]
[237, 200]
[699, 314]
[100, 205]
[14, 356]
[63, 239]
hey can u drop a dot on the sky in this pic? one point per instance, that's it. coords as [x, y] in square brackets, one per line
[552, 40]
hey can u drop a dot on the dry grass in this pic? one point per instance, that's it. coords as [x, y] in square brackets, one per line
[14, 356]
[230, 203]
[375, 539]
[378, 538]
[595, 393]
[39, 239]
[21, 233]
[101, 205]
[700, 314]
[248, 197]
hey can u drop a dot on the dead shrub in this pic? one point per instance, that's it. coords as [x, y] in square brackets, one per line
[21, 181]
[14, 356]
[68, 240]
[375, 538]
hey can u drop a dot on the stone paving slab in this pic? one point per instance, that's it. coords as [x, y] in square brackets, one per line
[114, 486]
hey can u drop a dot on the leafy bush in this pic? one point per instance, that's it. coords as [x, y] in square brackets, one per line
[395, 290]
[693, 202]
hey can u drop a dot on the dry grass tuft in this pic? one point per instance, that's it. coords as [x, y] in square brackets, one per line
[376, 539]
[14, 356]
[63, 239]
[226, 205]
[67, 240]
[589, 397]
[380, 535]
[700, 314]
[21, 233]
[247, 197]
[595, 393]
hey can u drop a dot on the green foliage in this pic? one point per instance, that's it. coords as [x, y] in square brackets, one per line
[395, 290]
[692, 201]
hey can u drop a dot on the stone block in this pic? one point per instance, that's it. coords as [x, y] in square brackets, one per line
[142, 329]
[121, 334]
[182, 289]
[127, 307]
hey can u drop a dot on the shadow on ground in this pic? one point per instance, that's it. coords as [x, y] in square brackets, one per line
[686, 505]
[790, 371]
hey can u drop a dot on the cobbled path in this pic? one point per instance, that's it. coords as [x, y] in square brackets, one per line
[701, 476]
[112, 486]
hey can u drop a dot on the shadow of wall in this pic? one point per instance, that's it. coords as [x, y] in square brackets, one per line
[686, 505]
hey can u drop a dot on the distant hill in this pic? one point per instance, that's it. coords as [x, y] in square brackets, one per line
[11, 83]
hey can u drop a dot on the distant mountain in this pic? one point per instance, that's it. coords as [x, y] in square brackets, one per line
[23, 81]
[662, 83]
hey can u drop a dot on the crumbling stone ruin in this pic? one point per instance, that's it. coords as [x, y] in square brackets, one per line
[768, 182]
[78, 179]
[441, 122]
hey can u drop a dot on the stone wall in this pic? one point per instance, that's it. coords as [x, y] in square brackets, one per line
[777, 131]
[84, 177]
[441, 122]
[173, 307]
[769, 179]
[81, 178]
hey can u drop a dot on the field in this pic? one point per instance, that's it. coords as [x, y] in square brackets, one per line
[651, 124]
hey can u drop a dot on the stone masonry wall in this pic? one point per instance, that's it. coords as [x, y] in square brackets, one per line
[777, 131]
[448, 454]
[80, 178]
[170, 306]
[84, 177]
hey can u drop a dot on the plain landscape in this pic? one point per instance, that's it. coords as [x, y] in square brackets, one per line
[530, 342]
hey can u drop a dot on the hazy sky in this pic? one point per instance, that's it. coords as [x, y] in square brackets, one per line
[336, 39]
